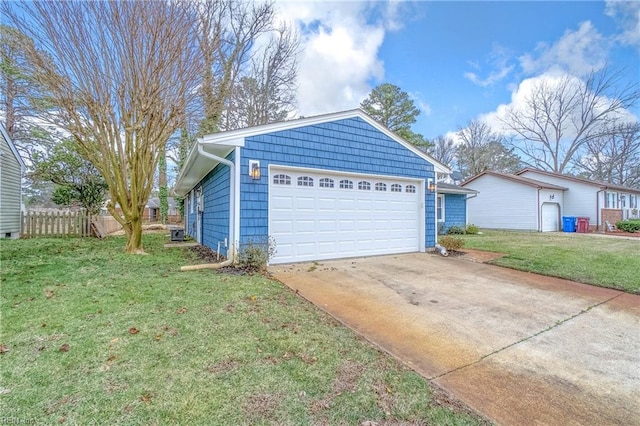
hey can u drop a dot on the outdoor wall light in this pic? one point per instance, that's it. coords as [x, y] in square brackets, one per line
[254, 169]
[431, 185]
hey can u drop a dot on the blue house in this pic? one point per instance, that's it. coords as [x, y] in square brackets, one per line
[451, 206]
[325, 187]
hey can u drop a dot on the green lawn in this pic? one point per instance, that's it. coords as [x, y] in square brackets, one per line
[90, 335]
[606, 262]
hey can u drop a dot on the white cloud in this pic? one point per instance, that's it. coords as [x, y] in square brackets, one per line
[499, 62]
[339, 50]
[525, 90]
[420, 103]
[627, 13]
[576, 52]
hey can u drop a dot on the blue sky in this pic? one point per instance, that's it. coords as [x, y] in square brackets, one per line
[458, 60]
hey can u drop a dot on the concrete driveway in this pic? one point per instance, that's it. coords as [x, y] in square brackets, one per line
[519, 348]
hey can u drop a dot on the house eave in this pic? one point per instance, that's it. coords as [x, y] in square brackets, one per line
[221, 144]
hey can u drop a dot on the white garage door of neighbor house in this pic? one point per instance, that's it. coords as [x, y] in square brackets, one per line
[550, 217]
[318, 216]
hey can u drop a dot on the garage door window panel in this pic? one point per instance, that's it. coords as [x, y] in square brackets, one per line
[410, 189]
[381, 186]
[364, 185]
[326, 183]
[282, 180]
[305, 181]
[396, 187]
[346, 184]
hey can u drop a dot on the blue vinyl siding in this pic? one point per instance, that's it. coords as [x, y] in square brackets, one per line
[349, 145]
[215, 217]
[455, 210]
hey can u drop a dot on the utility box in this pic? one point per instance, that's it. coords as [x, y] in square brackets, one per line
[569, 224]
[583, 225]
[177, 234]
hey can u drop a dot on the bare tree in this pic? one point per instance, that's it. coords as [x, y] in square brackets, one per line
[482, 149]
[560, 116]
[613, 157]
[228, 30]
[118, 77]
[443, 149]
[267, 93]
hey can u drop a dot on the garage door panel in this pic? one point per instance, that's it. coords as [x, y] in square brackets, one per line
[313, 223]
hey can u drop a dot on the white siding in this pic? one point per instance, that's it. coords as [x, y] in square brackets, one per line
[10, 191]
[579, 200]
[503, 204]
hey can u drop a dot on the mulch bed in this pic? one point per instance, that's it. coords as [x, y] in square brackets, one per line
[623, 234]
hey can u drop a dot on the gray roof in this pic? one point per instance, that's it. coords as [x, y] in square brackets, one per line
[519, 179]
[603, 185]
[448, 188]
[154, 202]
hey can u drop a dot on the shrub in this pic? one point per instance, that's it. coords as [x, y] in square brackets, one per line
[456, 230]
[632, 225]
[254, 256]
[472, 229]
[451, 243]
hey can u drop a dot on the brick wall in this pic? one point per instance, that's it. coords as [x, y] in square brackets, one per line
[611, 215]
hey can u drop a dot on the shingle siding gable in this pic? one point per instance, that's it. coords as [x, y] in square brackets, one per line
[349, 145]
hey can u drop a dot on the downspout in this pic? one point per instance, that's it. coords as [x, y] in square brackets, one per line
[598, 214]
[539, 212]
[231, 251]
[466, 207]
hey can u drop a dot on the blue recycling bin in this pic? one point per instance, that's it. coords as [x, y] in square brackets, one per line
[569, 223]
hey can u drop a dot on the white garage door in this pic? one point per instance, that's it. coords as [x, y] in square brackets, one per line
[550, 217]
[315, 215]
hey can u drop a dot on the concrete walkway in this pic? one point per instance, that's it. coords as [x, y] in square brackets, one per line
[516, 347]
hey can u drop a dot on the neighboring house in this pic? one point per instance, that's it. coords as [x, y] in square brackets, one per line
[507, 201]
[11, 169]
[152, 210]
[325, 187]
[451, 206]
[600, 202]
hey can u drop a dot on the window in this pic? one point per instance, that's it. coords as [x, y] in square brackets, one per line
[396, 187]
[305, 181]
[410, 188]
[633, 201]
[381, 186]
[440, 208]
[364, 185]
[326, 183]
[623, 201]
[610, 200]
[282, 180]
[191, 203]
[346, 184]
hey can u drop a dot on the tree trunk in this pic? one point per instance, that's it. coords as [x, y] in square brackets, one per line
[134, 236]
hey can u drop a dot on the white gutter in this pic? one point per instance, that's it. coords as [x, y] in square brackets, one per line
[231, 250]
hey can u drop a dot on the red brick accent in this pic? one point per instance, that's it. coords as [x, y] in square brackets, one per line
[612, 215]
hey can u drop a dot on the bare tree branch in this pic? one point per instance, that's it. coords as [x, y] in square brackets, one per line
[560, 116]
[119, 75]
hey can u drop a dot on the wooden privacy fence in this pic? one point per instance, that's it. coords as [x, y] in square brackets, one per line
[56, 224]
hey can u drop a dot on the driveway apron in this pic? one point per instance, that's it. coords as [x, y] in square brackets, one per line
[518, 348]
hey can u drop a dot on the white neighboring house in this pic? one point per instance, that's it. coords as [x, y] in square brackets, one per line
[508, 201]
[600, 202]
[11, 169]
